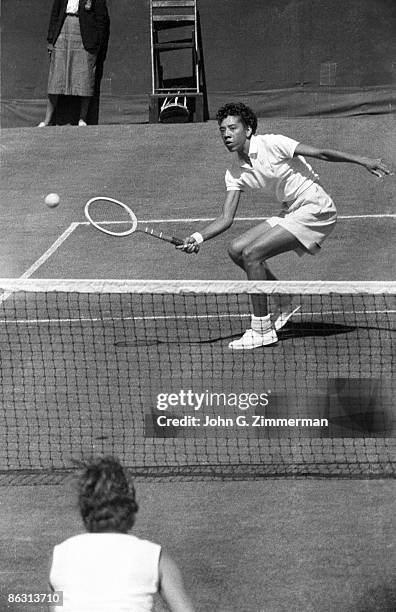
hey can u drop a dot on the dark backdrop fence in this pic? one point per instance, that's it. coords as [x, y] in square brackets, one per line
[286, 57]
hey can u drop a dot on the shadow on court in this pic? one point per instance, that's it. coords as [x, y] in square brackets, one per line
[291, 331]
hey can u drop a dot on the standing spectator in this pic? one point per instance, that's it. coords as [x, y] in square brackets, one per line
[76, 33]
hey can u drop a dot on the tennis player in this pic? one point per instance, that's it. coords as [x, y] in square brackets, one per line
[277, 165]
[106, 568]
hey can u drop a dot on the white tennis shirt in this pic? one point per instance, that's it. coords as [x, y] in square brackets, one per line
[110, 572]
[274, 169]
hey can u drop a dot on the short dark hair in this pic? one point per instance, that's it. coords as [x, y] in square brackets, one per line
[238, 109]
[106, 499]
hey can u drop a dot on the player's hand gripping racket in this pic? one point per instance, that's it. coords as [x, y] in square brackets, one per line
[117, 219]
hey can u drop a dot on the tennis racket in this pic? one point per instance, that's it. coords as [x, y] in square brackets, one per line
[117, 219]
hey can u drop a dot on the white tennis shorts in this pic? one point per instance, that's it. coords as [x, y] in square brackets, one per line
[310, 218]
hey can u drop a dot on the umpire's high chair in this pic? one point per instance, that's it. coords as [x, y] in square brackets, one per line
[175, 28]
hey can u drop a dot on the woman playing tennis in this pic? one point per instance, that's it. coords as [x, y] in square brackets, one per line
[106, 568]
[277, 165]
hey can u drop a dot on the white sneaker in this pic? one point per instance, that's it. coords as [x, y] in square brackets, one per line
[82, 123]
[252, 339]
[283, 318]
[41, 124]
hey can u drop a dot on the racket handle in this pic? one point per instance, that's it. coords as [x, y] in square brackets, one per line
[162, 236]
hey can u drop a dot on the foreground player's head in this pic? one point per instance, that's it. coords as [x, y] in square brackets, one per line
[237, 124]
[106, 498]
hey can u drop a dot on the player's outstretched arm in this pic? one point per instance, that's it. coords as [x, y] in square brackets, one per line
[375, 166]
[171, 586]
[216, 227]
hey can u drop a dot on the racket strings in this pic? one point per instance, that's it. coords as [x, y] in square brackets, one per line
[117, 219]
[111, 217]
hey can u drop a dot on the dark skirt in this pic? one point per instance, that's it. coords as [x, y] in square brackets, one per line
[72, 68]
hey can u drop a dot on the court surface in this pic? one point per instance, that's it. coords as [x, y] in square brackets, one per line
[257, 546]
[262, 546]
[173, 177]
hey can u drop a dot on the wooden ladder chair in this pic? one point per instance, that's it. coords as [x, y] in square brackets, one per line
[173, 28]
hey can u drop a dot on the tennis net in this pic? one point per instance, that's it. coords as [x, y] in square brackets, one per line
[142, 370]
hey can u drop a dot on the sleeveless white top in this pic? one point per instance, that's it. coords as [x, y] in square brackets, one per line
[110, 572]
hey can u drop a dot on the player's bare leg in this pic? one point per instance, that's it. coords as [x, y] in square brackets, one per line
[251, 252]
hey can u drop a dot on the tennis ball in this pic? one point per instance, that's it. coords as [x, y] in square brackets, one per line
[52, 200]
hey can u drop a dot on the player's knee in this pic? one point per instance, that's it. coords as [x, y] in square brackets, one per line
[251, 256]
[235, 252]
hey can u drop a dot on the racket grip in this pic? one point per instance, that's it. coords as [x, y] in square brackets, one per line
[162, 236]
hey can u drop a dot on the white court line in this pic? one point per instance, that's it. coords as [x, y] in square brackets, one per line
[194, 317]
[41, 260]
[207, 219]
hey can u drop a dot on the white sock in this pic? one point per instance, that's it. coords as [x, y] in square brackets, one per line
[261, 325]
